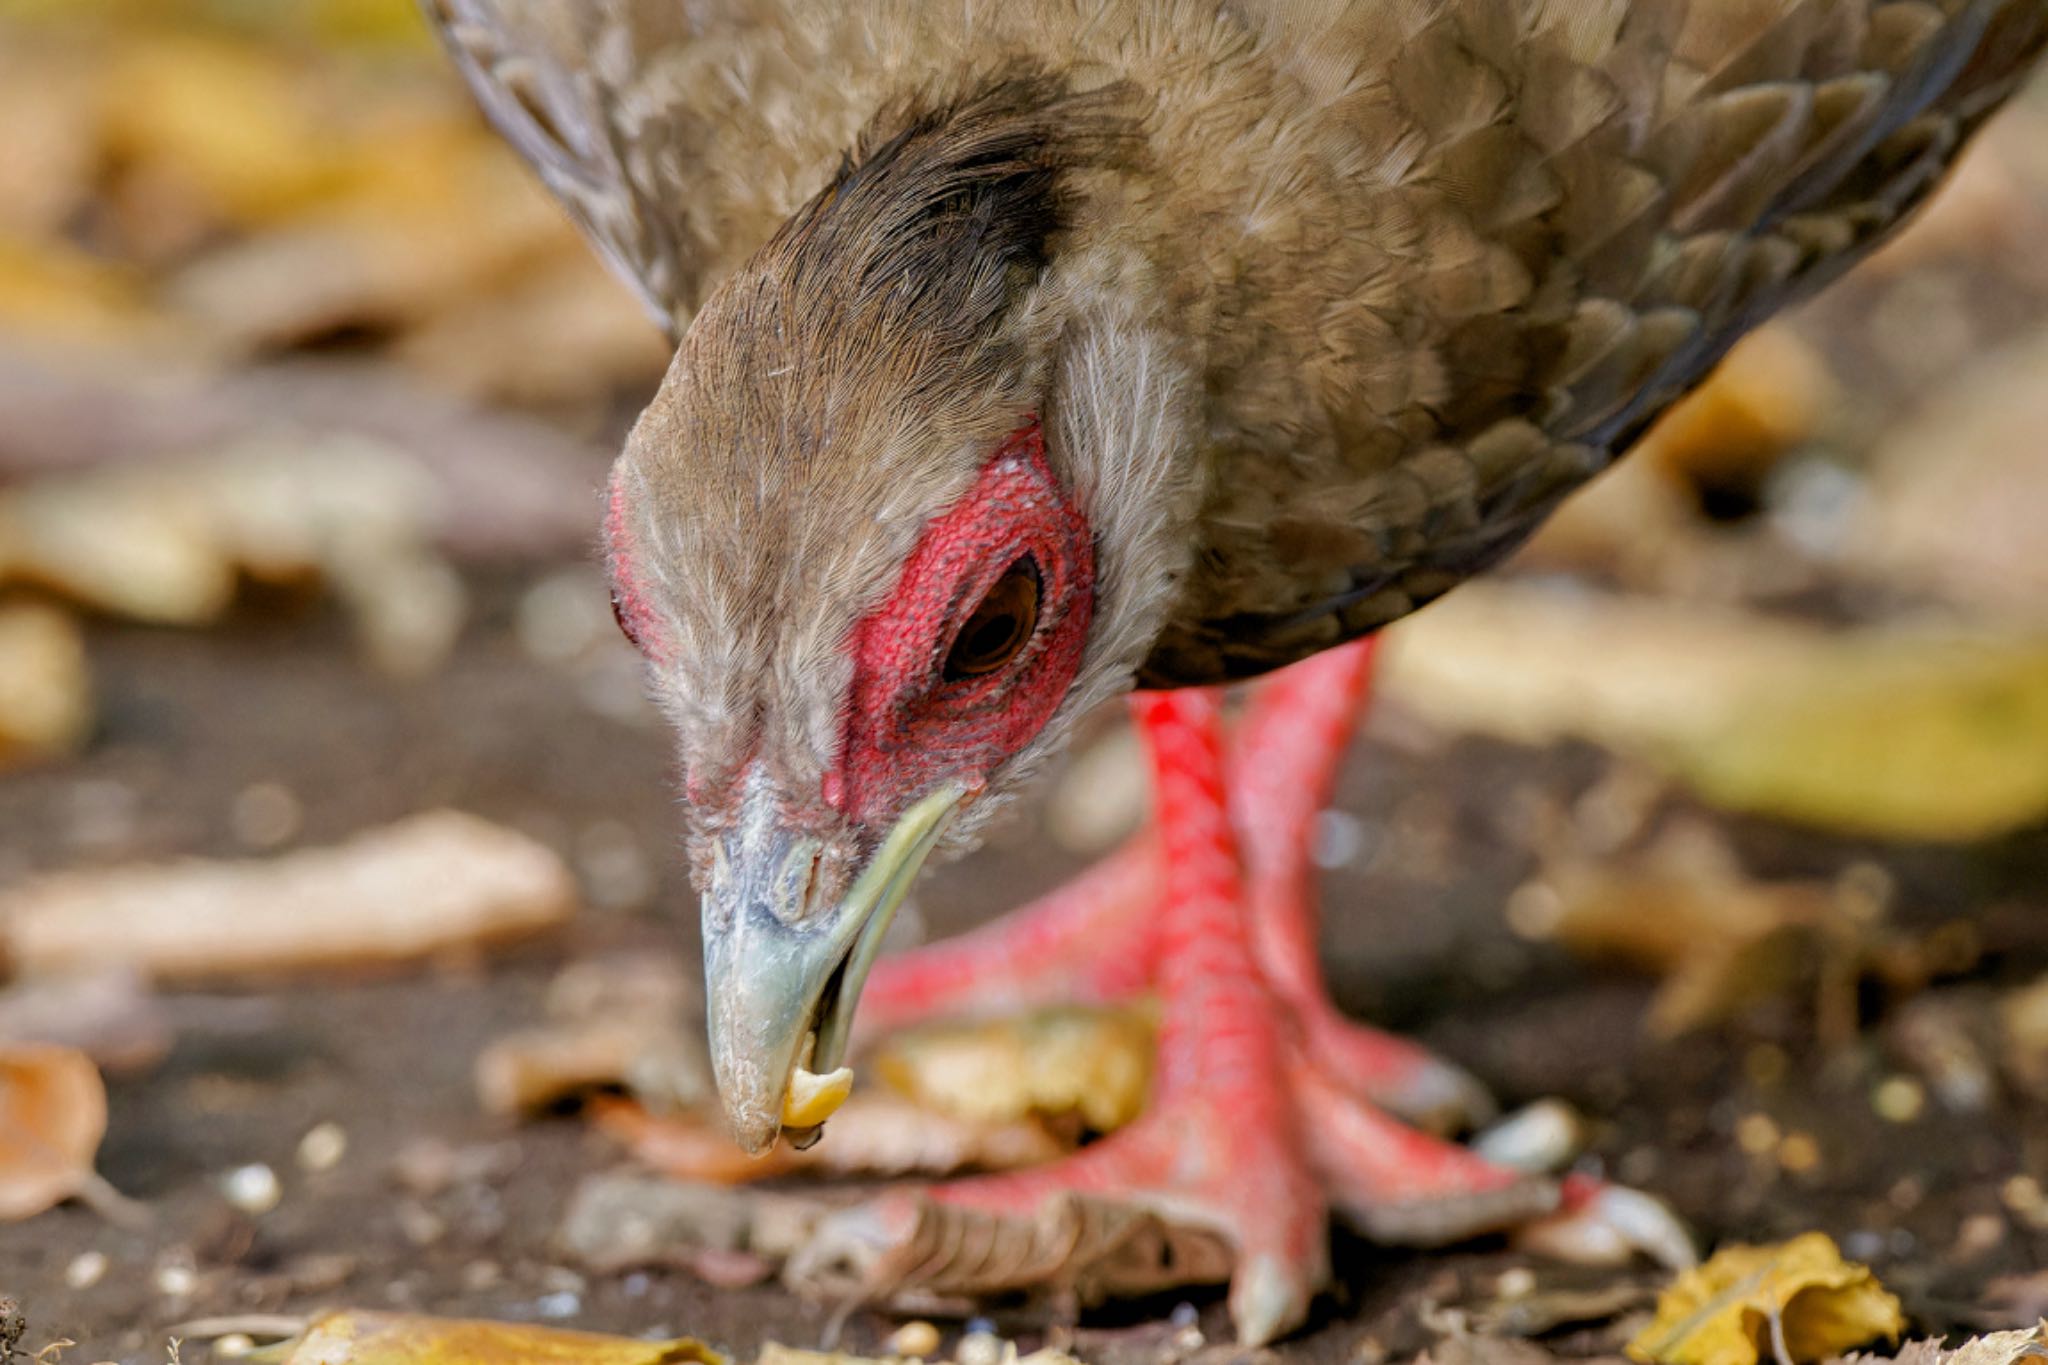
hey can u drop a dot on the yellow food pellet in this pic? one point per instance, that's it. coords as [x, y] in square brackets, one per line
[1799, 1153]
[1757, 1134]
[813, 1098]
[1898, 1099]
[917, 1338]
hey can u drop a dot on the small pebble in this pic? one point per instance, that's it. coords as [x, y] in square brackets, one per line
[87, 1269]
[233, 1346]
[1184, 1314]
[617, 874]
[1339, 839]
[176, 1281]
[265, 815]
[1639, 1166]
[1979, 1236]
[2024, 1196]
[559, 1305]
[559, 1279]
[420, 1224]
[636, 1285]
[1799, 1153]
[1906, 1193]
[323, 1147]
[979, 1348]
[1517, 1283]
[1534, 910]
[1898, 1099]
[918, 1338]
[562, 615]
[479, 1275]
[253, 1188]
[1757, 1134]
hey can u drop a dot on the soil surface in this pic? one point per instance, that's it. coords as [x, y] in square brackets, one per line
[1415, 939]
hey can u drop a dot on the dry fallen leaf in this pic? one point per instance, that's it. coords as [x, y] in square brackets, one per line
[1908, 732]
[616, 1221]
[1685, 909]
[2024, 1015]
[907, 1248]
[1958, 491]
[45, 689]
[872, 1134]
[1993, 1348]
[53, 1113]
[613, 1022]
[775, 1353]
[111, 1016]
[165, 541]
[434, 882]
[1090, 1061]
[370, 1338]
[1792, 1302]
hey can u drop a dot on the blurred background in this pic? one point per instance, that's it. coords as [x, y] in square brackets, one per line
[1718, 815]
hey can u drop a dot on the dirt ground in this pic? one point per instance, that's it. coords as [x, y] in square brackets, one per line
[283, 227]
[1415, 942]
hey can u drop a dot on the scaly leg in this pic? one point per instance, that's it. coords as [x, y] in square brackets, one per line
[1219, 1144]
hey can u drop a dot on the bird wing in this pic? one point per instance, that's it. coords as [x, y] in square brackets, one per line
[1561, 213]
[677, 135]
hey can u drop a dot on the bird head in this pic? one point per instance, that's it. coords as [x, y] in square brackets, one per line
[911, 498]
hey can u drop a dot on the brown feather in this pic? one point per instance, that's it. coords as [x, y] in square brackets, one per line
[1329, 302]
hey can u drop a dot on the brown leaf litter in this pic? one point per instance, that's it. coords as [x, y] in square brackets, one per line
[432, 883]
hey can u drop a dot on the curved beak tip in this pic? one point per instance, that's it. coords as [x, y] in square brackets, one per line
[782, 985]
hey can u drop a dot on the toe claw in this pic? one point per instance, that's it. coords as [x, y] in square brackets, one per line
[1441, 1098]
[1609, 1225]
[1267, 1300]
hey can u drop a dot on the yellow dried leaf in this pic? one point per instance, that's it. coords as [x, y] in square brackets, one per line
[1795, 1301]
[367, 1338]
[1904, 732]
[53, 1113]
[45, 690]
[51, 290]
[1763, 400]
[1095, 1062]
[223, 120]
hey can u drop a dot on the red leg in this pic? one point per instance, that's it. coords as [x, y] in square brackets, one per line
[1299, 726]
[1219, 1144]
[1089, 941]
[1266, 1109]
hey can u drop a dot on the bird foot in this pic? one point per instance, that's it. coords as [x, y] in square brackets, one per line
[1269, 1109]
[1198, 1193]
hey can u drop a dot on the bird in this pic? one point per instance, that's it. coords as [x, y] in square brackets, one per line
[1035, 354]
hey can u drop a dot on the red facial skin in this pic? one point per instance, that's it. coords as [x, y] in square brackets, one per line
[908, 726]
[630, 606]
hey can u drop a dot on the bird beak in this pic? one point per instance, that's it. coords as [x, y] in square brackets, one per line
[782, 982]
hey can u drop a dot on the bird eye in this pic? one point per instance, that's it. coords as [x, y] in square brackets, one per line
[619, 615]
[1000, 627]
